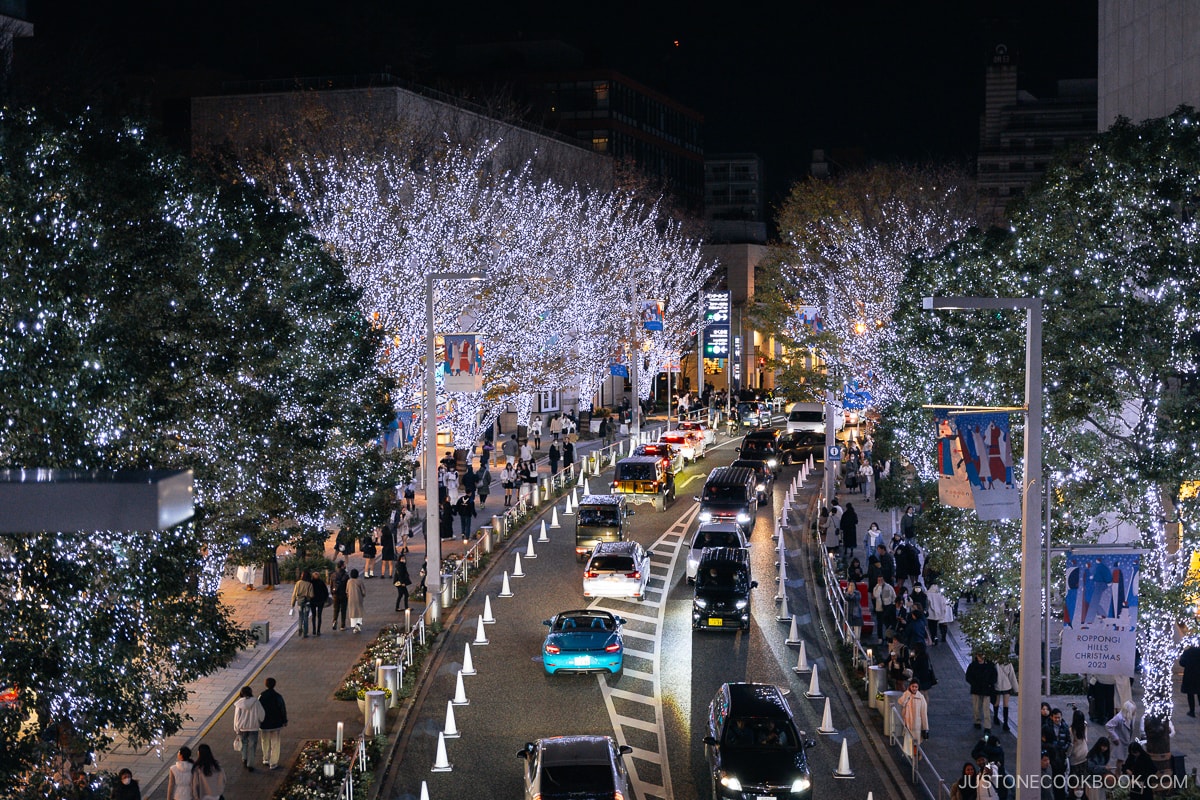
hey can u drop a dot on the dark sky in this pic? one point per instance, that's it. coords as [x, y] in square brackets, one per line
[881, 79]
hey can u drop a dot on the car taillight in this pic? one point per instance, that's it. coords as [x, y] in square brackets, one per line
[591, 574]
[614, 484]
[635, 575]
[553, 649]
[612, 648]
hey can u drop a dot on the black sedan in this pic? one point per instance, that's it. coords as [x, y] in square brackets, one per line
[753, 748]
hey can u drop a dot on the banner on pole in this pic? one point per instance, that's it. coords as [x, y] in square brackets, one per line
[810, 317]
[954, 488]
[716, 325]
[987, 453]
[463, 367]
[653, 312]
[1099, 634]
[619, 370]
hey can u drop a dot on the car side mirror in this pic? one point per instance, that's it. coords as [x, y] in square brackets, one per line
[546, 622]
[709, 740]
[753, 584]
[696, 498]
[621, 620]
[625, 749]
[527, 751]
[810, 743]
[629, 513]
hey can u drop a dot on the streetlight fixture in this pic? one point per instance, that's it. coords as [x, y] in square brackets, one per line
[1029, 679]
[433, 547]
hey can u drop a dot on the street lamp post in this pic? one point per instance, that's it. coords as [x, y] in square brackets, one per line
[433, 536]
[1029, 681]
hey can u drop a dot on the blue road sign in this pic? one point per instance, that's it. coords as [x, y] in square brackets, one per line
[833, 453]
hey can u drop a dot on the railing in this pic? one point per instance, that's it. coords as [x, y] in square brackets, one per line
[357, 761]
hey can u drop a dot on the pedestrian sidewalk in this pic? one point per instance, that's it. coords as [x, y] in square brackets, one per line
[952, 731]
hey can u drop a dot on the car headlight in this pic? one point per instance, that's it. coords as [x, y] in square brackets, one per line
[761, 487]
[772, 463]
[706, 516]
[701, 602]
[801, 784]
[740, 604]
[743, 517]
[731, 783]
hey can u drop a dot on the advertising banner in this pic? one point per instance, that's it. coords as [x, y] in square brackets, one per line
[619, 370]
[652, 314]
[954, 489]
[1099, 634]
[987, 456]
[716, 325]
[463, 367]
[810, 317]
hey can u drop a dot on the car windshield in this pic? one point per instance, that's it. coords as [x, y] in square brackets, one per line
[806, 416]
[577, 780]
[599, 516]
[725, 493]
[612, 564]
[716, 539]
[579, 622]
[723, 577]
[754, 446]
[760, 732]
[635, 472]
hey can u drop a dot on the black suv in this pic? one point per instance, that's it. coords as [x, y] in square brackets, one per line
[723, 587]
[753, 748]
[762, 476]
[729, 495]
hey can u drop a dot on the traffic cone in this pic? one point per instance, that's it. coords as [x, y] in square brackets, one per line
[783, 615]
[827, 721]
[480, 635]
[450, 729]
[468, 667]
[843, 768]
[504, 590]
[517, 571]
[529, 550]
[488, 619]
[794, 634]
[544, 534]
[581, 480]
[587, 489]
[553, 522]
[569, 511]
[802, 665]
[814, 686]
[460, 692]
[425, 792]
[442, 762]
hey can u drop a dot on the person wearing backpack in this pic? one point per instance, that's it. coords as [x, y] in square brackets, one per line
[483, 484]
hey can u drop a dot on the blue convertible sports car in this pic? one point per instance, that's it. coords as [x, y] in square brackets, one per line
[584, 640]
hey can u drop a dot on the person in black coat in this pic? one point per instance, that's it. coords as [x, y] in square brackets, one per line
[446, 519]
[273, 721]
[1190, 661]
[402, 582]
[849, 526]
[553, 457]
[316, 606]
[981, 677]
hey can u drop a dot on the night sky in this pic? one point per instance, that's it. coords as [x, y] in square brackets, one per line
[862, 80]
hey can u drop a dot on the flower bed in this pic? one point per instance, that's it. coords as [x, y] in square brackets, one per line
[362, 675]
[307, 779]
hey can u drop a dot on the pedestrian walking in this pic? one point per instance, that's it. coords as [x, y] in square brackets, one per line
[885, 607]
[1006, 686]
[465, 509]
[535, 430]
[469, 482]
[208, 779]
[179, 776]
[126, 788]
[854, 615]
[370, 551]
[338, 589]
[483, 484]
[402, 582]
[356, 593]
[849, 526]
[320, 599]
[940, 615]
[553, 456]
[981, 677]
[248, 715]
[1121, 732]
[508, 479]
[866, 479]
[302, 593]
[569, 451]
[410, 495]
[387, 549]
[510, 449]
[908, 524]
[270, 577]
[273, 722]
[1190, 685]
[345, 541]
[1140, 767]
[422, 573]
[556, 427]
[1077, 752]
[1056, 741]
[914, 710]
[526, 452]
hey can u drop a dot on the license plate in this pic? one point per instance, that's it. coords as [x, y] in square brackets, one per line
[582, 661]
[715, 622]
[767, 797]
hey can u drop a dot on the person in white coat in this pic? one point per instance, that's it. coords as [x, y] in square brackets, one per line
[914, 710]
[1006, 685]
[1121, 731]
[940, 614]
[248, 714]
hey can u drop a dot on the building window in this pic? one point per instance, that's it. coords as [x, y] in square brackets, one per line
[600, 144]
[600, 91]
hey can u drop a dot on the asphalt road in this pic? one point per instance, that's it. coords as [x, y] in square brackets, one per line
[659, 705]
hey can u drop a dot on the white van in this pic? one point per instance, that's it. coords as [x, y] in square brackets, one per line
[810, 418]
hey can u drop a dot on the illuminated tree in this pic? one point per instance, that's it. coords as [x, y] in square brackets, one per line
[1110, 243]
[155, 320]
[846, 245]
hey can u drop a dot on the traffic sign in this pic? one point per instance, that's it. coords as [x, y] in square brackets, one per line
[834, 453]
